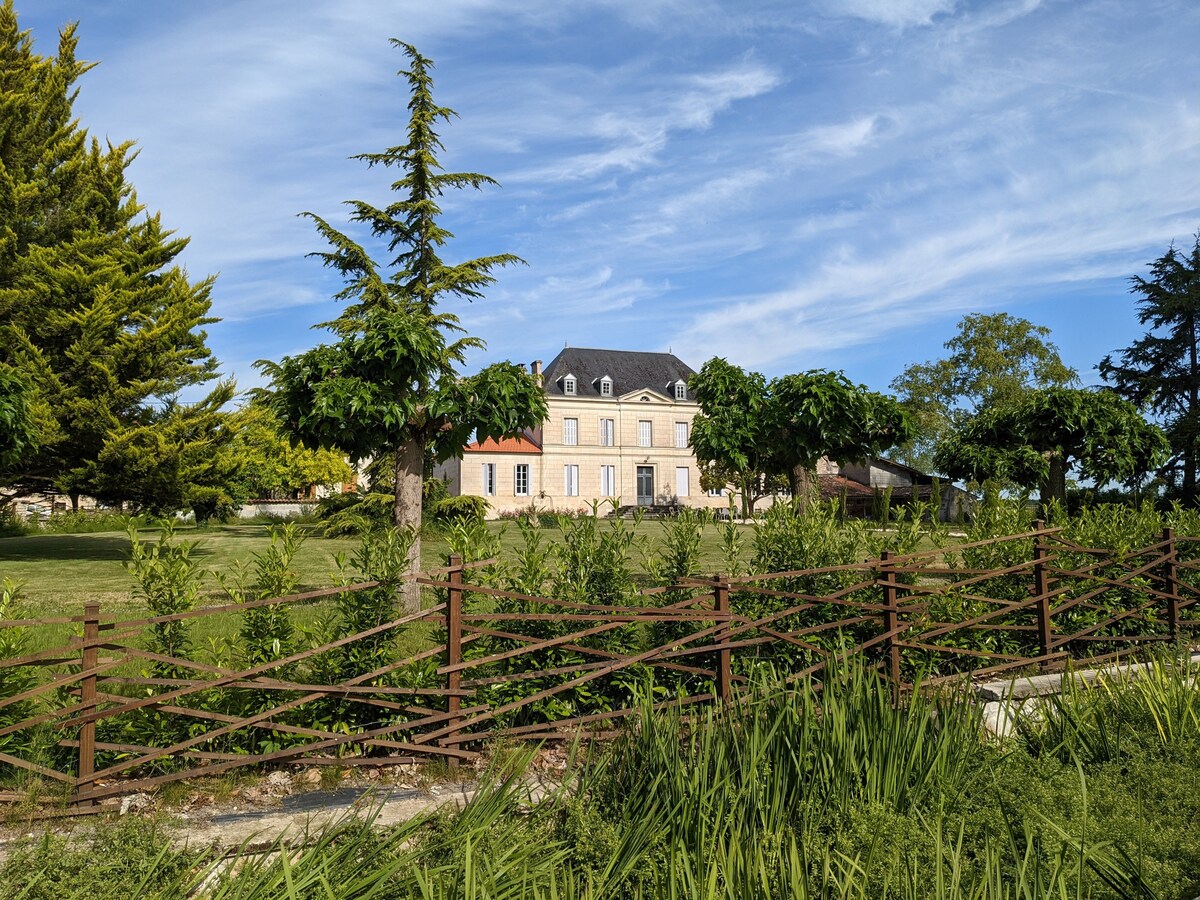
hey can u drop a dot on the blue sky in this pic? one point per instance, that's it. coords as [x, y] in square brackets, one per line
[791, 185]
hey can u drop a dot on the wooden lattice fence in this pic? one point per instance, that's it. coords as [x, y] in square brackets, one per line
[108, 716]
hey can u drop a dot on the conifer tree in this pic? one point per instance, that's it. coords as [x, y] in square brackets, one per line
[391, 383]
[93, 310]
[1161, 371]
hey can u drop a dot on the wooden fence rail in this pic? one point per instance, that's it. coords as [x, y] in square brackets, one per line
[109, 714]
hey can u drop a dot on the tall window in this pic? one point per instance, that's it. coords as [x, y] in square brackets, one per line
[680, 390]
[608, 481]
[569, 384]
[521, 480]
[681, 434]
[571, 480]
[645, 433]
[489, 479]
[681, 481]
[606, 432]
[570, 432]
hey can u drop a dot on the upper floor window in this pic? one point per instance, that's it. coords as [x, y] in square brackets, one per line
[681, 390]
[645, 433]
[605, 386]
[681, 434]
[569, 385]
[570, 431]
[606, 432]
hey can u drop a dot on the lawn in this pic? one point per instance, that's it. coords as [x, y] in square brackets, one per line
[60, 572]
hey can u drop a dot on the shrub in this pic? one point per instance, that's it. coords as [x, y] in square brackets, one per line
[466, 507]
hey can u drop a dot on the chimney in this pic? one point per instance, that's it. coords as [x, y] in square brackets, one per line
[535, 369]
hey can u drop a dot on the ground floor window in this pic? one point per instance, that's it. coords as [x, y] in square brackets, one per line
[608, 481]
[681, 481]
[571, 480]
[489, 479]
[521, 480]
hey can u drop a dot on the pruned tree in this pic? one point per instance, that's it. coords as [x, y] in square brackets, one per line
[1161, 370]
[103, 324]
[995, 360]
[755, 429]
[1035, 442]
[728, 437]
[391, 383]
[823, 414]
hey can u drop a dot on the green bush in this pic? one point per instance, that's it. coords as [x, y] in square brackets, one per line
[465, 507]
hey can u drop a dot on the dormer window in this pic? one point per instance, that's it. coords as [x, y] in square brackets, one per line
[681, 390]
[605, 386]
[569, 385]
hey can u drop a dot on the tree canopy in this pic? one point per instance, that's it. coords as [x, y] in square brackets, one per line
[995, 360]
[1161, 370]
[754, 428]
[1036, 441]
[390, 384]
[104, 327]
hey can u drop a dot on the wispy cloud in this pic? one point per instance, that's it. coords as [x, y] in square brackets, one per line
[823, 183]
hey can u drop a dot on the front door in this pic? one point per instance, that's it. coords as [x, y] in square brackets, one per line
[645, 485]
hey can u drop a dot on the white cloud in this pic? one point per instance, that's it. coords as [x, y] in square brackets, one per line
[893, 13]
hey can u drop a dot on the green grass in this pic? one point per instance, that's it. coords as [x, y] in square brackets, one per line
[61, 572]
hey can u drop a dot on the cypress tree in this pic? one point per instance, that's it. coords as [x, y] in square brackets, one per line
[94, 311]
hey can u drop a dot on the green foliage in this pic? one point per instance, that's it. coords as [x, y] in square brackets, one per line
[1033, 441]
[750, 429]
[355, 513]
[168, 582]
[1160, 371]
[267, 632]
[100, 322]
[14, 680]
[18, 430]
[463, 508]
[269, 465]
[994, 361]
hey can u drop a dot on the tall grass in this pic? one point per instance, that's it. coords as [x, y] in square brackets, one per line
[791, 792]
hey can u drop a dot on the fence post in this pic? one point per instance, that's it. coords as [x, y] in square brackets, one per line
[724, 656]
[454, 645]
[89, 660]
[891, 618]
[1171, 577]
[1041, 584]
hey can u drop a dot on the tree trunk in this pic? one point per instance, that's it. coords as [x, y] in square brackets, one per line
[1189, 453]
[804, 487]
[1055, 487]
[74, 495]
[409, 473]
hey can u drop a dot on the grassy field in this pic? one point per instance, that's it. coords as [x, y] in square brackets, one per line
[60, 572]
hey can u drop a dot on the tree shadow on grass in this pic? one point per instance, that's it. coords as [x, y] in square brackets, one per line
[68, 547]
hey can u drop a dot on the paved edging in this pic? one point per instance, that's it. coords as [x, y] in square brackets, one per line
[1003, 700]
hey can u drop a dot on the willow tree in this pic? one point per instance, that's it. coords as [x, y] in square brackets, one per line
[391, 384]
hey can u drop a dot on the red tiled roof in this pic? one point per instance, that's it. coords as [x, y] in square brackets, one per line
[505, 445]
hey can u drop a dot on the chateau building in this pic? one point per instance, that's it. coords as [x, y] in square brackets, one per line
[618, 429]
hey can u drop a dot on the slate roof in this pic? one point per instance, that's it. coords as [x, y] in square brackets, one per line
[630, 370]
